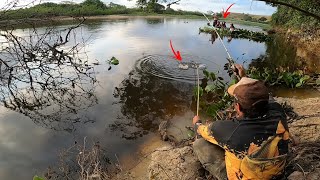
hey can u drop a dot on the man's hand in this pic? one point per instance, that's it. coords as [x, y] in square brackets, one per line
[239, 70]
[195, 119]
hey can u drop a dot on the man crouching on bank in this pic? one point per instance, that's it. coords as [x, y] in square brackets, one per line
[254, 145]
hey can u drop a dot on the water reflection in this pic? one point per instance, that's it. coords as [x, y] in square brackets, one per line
[214, 36]
[146, 100]
[155, 20]
[44, 78]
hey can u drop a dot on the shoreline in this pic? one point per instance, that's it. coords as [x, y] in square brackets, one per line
[63, 19]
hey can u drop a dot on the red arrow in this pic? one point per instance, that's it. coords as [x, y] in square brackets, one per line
[176, 54]
[225, 14]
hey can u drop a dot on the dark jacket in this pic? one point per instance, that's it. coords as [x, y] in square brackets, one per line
[244, 136]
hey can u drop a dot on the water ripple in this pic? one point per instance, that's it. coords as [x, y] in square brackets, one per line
[168, 68]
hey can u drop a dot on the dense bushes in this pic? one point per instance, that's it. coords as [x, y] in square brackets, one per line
[289, 17]
[86, 8]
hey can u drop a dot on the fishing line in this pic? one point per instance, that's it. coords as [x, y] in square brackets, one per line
[230, 58]
[196, 67]
[198, 91]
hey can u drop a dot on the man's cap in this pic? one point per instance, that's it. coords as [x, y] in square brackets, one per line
[249, 92]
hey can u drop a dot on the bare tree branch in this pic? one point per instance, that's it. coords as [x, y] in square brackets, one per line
[174, 2]
[45, 77]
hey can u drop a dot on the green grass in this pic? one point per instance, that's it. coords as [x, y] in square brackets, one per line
[265, 26]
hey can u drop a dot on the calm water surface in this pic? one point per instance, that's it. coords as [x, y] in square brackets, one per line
[133, 97]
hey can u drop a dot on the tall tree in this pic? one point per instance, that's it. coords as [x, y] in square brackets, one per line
[97, 3]
[151, 5]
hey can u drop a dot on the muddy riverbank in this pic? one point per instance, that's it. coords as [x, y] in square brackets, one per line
[307, 43]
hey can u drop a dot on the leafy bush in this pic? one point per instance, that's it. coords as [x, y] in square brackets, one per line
[96, 3]
[247, 17]
[86, 8]
[288, 17]
[214, 97]
[262, 19]
[239, 33]
[282, 77]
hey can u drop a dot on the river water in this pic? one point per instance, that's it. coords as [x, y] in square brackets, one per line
[132, 98]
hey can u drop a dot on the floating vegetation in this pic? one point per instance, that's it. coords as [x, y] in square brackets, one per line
[238, 33]
[112, 61]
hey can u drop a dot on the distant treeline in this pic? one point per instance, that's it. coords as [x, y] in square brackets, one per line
[86, 8]
[290, 18]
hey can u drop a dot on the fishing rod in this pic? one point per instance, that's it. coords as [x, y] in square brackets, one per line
[230, 60]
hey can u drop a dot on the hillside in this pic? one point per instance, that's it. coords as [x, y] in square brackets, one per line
[243, 16]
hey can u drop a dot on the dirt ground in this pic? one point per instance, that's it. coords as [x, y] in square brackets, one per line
[306, 126]
[307, 44]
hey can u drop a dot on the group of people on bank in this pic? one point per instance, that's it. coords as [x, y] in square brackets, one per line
[219, 24]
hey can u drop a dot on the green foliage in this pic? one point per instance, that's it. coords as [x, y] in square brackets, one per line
[195, 91]
[288, 17]
[38, 178]
[219, 15]
[88, 8]
[155, 7]
[247, 17]
[95, 3]
[238, 33]
[295, 79]
[114, 61]
[214, 97]
[262, 19]
[151, 6]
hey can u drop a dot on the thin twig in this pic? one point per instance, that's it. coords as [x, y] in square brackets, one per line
[304, 174]
[118, 162]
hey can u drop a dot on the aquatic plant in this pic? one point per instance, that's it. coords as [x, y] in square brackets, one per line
[283, 77]
[239, 33]
[215, 101]
[112, 61]
[214, 97]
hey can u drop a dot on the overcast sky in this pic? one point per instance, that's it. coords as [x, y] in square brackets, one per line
[241, 6]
